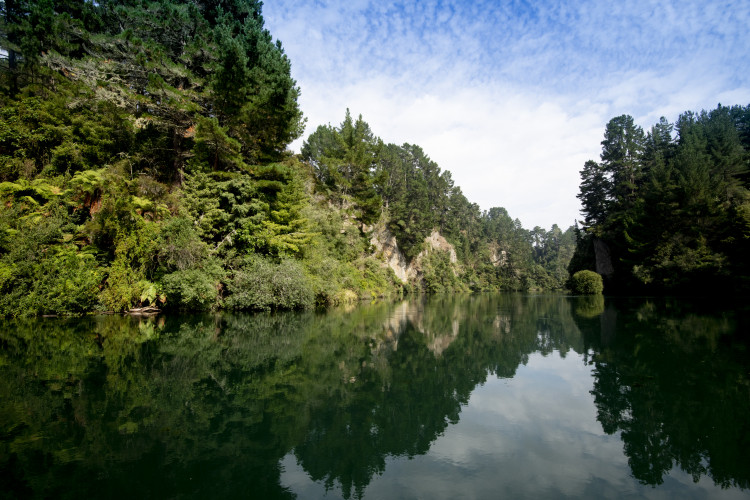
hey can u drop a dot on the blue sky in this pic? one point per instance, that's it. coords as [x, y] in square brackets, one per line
[512, 97]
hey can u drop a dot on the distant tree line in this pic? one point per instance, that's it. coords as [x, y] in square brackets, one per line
[403, 187]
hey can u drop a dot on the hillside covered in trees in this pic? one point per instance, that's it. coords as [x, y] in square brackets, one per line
[144, 161]
[668, 211]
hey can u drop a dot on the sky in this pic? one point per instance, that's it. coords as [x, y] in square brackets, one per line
[512, 97]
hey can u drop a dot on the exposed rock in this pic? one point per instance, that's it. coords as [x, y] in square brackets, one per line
[603, 259]
[436, 241]
[437, 342]
[498, 257]
[501, 325]
[385, 243]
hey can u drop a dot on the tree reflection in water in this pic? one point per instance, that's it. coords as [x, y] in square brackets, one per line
[672, 377]
[208, 406]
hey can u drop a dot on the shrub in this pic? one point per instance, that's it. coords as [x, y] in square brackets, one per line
[180, 247]
[124, 287]
[586, 283]
[38, 273]
[261, 285]
[191, 289]
[58, 283]
[127, 276]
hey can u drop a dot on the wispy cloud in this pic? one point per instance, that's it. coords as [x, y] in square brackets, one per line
[512, 97]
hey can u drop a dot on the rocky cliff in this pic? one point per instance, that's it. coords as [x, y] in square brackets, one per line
[386, 246]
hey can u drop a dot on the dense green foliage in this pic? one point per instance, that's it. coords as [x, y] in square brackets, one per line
[671, 206]
[143, 162]
[586, 282]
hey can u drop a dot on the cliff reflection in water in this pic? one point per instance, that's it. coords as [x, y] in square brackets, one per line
[208, 406]
[411, 383]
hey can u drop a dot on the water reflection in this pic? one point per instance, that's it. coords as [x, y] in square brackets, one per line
[210, 406]
[672, 378]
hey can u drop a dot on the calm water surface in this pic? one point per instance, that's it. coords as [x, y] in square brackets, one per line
[482, 396]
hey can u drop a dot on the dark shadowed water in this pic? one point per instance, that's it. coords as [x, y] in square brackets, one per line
[482, 396]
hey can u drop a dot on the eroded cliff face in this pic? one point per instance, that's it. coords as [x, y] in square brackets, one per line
[385, 244]
[498, 257]
[436, 241]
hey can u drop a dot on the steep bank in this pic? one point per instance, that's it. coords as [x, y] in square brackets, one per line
[143, 168]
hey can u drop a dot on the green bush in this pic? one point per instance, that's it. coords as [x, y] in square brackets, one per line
[191, 289]
[179, 246]
[69, 284]
[39, 274]
[127, 275]
[261, 285]
[377, 279]
[57, 283]
[333, 282]
[122, 289]
[586, 283]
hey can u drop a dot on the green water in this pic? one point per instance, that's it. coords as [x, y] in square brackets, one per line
[483, 396]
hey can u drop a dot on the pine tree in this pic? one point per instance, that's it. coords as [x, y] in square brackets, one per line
[622, 149]
[594, 193]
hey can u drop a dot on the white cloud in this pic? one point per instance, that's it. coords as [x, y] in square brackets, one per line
[512, 98]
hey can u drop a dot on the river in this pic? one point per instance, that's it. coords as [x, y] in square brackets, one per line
[475, 396]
